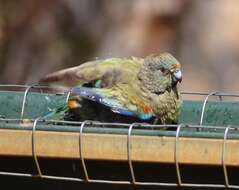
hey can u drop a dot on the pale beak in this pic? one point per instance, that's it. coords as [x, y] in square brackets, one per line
[178, 76]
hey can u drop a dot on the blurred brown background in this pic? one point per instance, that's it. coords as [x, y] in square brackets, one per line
[41, 36]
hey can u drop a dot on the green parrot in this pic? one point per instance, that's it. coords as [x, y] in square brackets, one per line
[141, 89]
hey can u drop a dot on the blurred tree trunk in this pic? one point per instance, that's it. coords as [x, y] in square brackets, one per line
[39, 37]
[44, 36]
[209, 46]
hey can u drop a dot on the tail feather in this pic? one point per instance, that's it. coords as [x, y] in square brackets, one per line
[57, 113]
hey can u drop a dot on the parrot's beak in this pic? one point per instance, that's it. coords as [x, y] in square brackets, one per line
[177, 76]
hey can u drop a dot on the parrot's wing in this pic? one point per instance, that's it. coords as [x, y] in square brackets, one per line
[108, 72]
[72, 76]
[100, 96]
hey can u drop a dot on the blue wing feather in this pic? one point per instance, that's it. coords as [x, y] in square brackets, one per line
[116, 106]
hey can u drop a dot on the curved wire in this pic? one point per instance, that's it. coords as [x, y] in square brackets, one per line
[129, 152]
[34, 147]
[68, 94]
[204, 106]
[223, 157]
[81, 150]
[176, 155]
[24, 100]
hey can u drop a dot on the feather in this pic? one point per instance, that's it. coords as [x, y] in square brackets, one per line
[100, 96]
[144, 88]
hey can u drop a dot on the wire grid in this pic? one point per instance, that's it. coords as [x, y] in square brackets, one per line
[129, 148]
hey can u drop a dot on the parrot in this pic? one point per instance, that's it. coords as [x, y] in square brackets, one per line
[114, 89]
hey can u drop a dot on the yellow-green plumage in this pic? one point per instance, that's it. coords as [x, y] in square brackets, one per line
[143, 87]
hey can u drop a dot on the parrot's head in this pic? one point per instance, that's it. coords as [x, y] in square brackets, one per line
[170, 65]
[160, 72]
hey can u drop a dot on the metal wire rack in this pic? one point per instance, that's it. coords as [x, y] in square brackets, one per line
[130, 128]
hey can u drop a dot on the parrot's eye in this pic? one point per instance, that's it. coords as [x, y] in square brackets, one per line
[162, 70]
[158, 93]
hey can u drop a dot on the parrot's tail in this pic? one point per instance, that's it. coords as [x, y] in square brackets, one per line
[57, 113]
